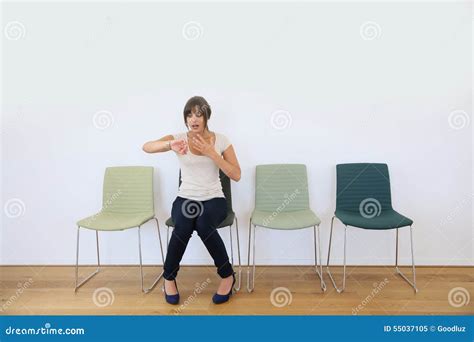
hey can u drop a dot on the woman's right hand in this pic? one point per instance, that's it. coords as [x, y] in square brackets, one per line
[179, 146]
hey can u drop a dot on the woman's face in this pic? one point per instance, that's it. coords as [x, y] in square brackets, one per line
[195, 120]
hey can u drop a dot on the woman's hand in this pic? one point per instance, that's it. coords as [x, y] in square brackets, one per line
[205, 148]
[179, 146]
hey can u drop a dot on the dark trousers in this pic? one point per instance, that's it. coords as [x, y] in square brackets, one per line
[204, 217]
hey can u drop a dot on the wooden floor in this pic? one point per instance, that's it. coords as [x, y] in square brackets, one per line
[49, 290]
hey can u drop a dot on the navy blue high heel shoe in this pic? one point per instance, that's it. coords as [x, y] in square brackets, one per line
[219, 299]
[172, 299]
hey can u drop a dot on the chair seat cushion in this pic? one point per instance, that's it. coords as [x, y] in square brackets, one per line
[228, 221]
[285, 219]
[387, 219]
[114, 221]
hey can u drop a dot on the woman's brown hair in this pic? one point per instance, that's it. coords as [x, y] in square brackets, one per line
[202, 106]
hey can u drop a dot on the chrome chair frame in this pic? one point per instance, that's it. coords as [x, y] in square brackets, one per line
[342, 288]
[251, 284]
[78, 285]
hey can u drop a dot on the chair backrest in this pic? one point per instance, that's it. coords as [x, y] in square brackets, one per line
[128, 189]
[363, 184]
[226, 188]
[281, 187]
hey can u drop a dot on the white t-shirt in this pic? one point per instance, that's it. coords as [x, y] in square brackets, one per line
[199, 174]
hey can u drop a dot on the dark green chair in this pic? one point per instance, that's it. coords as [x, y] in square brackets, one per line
[228, 222]
[363, 200]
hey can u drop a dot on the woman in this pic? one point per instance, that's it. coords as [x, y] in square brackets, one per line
[200, 204]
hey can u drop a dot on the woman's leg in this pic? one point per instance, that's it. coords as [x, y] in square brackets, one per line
[183, 229]
[213, 213]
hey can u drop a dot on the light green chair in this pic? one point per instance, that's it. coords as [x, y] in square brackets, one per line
[282, 202]
[127, 203]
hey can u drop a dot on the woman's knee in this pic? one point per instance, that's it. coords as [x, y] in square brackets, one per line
[204, 228]
[183, 229]
[208, 223]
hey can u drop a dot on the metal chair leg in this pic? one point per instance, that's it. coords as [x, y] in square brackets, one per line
[159, 237]
[232, 252]
[140, 254]
[77, 286]
[231, 246]
[238, 255]
[316, 245]
[339, 290]
[412, 284]
[251, 285]
[167, 245]
[157, 279]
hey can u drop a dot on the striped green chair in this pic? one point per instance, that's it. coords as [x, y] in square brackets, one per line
[282, 203]
[127, 203]
[363, 200]
[228, 222]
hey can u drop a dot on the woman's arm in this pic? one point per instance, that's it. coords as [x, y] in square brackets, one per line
[228, 162]
[167, 143]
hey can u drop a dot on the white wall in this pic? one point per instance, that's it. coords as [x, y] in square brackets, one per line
[349, 98]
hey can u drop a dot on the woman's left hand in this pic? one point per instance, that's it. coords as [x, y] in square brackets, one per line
[207, 149]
